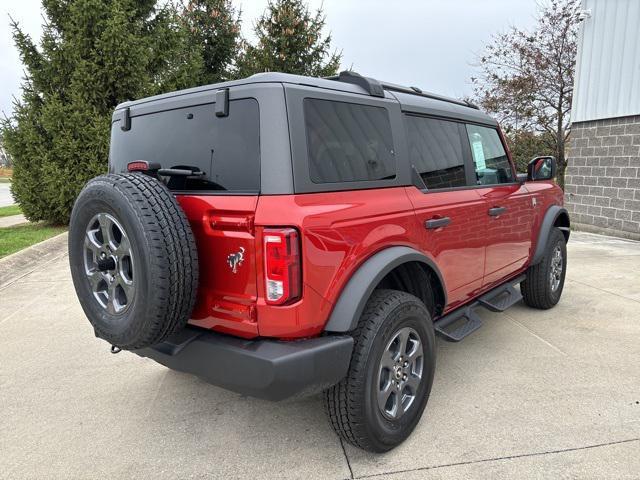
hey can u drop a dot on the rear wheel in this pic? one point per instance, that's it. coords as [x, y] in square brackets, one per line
[542, 287]
[380, 401]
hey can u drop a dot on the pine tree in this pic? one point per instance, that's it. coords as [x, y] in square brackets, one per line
[289, 39]
[93, 54]
[213, 30]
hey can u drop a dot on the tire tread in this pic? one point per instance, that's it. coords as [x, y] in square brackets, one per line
[343, 402]
[535, 288]
[173, 256]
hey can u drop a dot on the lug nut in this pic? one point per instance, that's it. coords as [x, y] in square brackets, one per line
[406, 364]
[404, 377]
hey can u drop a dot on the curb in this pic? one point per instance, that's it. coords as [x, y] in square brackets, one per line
[20, 264]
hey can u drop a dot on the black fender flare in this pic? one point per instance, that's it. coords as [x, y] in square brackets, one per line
[548, 221]
[356, 293]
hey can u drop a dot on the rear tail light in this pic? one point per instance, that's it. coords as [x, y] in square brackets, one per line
[138, 166]
[143, 166]
[282, 265]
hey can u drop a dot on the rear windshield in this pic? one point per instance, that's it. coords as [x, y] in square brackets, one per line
[226, 149]
[348, 142]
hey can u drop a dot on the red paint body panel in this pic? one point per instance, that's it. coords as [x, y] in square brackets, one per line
[459, 248]
[507, 236]
[546, 193]
[222, 225]
[339, 231]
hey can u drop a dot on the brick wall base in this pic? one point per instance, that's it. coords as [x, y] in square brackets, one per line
[583, 227]
[602, 181]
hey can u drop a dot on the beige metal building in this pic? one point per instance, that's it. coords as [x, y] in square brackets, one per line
[603, 173]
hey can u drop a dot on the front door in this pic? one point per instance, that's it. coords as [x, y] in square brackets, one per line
[509, 206]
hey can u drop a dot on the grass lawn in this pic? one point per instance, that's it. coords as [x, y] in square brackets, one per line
[10, 210]
[16, 238]
[5, 180]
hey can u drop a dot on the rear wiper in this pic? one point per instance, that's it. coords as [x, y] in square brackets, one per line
[180, 172]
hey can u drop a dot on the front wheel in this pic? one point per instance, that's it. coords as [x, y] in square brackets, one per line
[380, 401]
[544, 282]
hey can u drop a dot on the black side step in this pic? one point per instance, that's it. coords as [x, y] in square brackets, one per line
[458, 324]
[499, 301]
[464, 321]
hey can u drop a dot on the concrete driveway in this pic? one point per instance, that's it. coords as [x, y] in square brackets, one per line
[533, 394]
[6, 198]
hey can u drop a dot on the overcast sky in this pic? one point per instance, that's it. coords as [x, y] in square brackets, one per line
[427, 43]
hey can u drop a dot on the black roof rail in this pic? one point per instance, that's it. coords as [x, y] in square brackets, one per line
[372, 86]
[376, 88]
[472, 105]
[416, 91]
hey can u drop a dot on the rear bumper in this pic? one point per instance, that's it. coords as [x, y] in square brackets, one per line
[268, 369]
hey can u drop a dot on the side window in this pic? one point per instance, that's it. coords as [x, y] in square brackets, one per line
[348, 142]
[489, 157]
[435, 149]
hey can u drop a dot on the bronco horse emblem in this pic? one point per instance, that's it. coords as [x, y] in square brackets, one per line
[235, 259]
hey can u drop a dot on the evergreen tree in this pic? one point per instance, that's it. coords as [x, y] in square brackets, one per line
[213, 30]
[93, 55]
[289, 39]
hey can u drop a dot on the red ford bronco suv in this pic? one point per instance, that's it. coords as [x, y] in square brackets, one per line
[282, 235]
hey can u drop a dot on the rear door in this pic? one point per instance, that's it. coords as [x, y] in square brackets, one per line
[447, 209]
[220, 201]
[508, 205]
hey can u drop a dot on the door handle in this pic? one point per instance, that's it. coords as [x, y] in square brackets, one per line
[496, 211]
[437, 223]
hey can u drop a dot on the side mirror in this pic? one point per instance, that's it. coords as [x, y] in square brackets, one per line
[541, 168]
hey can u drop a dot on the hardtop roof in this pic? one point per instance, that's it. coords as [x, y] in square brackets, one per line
[410, 98]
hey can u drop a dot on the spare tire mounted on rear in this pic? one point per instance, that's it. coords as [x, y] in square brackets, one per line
[133, 260]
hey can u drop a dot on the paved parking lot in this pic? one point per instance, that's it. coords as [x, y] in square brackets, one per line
[553, 394]
[6, 198]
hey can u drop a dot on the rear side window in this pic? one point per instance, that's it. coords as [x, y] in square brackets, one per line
[348, 142]
[490, 159]
[435, 150]
[226, 149]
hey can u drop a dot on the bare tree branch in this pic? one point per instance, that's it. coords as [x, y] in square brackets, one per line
[525, 78]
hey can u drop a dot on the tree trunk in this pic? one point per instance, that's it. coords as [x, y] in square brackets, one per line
[562, 165]
[560, 143]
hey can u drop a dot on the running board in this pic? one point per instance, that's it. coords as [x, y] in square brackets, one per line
[458, 324]
[464, 321]
[498, 300]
